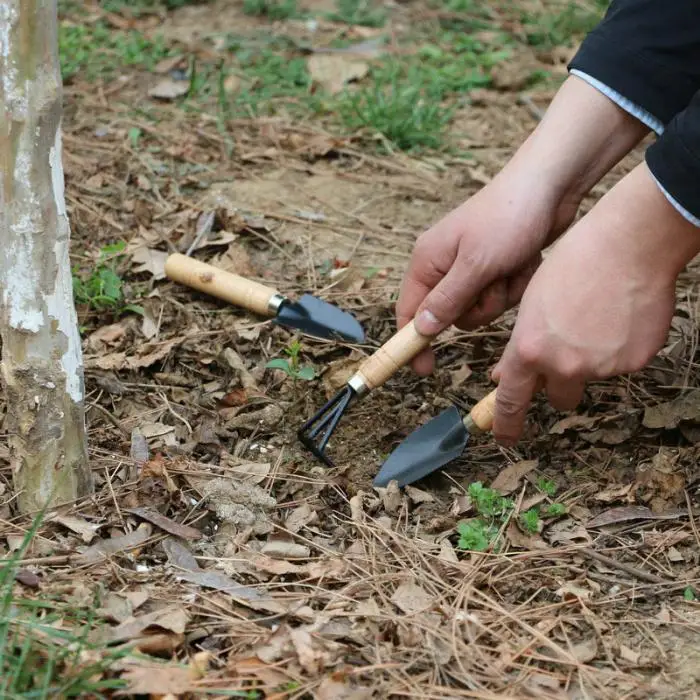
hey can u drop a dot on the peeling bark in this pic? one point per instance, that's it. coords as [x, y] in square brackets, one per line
[42, 367]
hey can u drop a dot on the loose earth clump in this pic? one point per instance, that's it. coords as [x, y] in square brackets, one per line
[217, 555]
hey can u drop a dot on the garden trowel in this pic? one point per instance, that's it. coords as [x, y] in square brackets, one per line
[308, 314]
[436, 443]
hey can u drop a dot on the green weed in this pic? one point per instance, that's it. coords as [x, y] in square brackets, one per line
[98, 50]
[546, 486]
[102, 290]
[530, 520]
[689, 594]
[360, 12]
[45, 647]
[563, 28]
[274, 9]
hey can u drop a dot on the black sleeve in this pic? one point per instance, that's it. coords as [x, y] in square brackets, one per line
[648, 51]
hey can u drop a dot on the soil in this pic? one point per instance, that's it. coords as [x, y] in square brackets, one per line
[303, 580]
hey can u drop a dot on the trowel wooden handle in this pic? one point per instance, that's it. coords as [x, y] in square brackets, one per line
[397, 352]
[481, 416]
[224, 285]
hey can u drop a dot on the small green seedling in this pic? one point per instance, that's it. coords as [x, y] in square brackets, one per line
[546, 486]
[476, 535]
[530, 521]
[689, 594]
[102, 290]
[291, 366]
[481, 533]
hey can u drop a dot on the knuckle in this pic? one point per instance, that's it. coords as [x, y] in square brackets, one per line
[507, 406]
[529, 350]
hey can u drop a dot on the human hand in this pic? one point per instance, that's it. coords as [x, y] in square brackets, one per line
[600, 304]
[476, 262]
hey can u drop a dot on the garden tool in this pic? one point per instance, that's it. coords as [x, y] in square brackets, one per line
[436, 443]
[308, 314]
[398, 351]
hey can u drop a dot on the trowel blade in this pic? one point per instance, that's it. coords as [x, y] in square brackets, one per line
[426, 449]
[317, 317]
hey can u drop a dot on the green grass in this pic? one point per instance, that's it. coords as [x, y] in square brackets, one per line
[274, 9]
[361, 12]
[564, 27]
[98, 51]
[45, 650]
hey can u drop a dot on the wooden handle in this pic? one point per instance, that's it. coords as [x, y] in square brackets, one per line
[219, 283]
[397, 352]
[482, 414]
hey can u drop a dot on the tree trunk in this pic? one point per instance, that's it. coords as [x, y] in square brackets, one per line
[42, 366]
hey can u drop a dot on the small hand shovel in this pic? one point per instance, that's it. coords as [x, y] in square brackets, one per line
[309, 314]
[436, 443]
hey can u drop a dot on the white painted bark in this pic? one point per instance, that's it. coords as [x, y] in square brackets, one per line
[42, 367]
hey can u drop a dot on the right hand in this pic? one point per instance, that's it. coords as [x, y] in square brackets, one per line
[476, 262]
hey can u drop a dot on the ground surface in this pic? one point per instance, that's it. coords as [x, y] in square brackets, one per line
[307, 145]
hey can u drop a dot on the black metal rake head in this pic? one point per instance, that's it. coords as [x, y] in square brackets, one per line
[316, 432]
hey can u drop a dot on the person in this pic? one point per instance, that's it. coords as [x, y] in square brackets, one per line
[600, 303]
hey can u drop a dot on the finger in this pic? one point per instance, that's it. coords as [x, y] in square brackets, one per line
[517, 284]
[424, 363]
[428, 265]
[516, 387]
[565, 395]
[456, 292]
[491, 304]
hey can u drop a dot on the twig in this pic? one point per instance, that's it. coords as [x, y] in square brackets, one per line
[627, 568]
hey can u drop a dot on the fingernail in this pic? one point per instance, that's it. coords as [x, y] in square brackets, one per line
[427, 323]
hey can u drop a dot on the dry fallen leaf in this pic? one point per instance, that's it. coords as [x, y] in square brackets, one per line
[173, 619]
[586, 650]
[669, 415]
[525, 540]
[392, 498]
[282, 549]
[615, 493]
[149, 260]
[169, 89]
[410, 598]
[86, 530]
[333, 71]
[177, 529]
[509, 479]
[626, 513]
[300, 517]
[157, 680]
[116, 608]
[179, 555]
[106, 548]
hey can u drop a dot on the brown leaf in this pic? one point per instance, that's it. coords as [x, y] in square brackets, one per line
[149, 260]
[572, 423]
[586, 650]
[525, 540]
[392, 497]
[669, 415]
[116, 608]
[276, 567]
[410, 598]
[313, 657]
[179, 555]
[220, 582]
[629, 655]
[332, 72]
[236, 363]
[615, 493]
[149, 355]
[27, 578]
[282, 549]
[509, 479]
[169, 89]
[626, 513]
[173, 619]
[86, 530]
[115, 545]
[177, 529]
[418, 496]
[157, 680]
[300, 517]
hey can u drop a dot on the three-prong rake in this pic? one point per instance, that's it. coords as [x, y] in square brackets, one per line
[397, 352]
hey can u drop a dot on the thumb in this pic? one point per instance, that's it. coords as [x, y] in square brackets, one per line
[453, 296]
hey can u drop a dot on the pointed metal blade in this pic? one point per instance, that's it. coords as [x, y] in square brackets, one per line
[317, 317]
[426, 449]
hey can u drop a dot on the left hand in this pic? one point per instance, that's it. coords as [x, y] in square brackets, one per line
[600, 304]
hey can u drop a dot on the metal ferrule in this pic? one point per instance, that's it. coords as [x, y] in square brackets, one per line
[471, 426]
[276, 300]
[358, 385]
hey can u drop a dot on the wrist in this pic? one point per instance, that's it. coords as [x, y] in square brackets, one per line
[581, 137]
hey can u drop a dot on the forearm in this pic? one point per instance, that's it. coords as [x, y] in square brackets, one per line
[580, 138]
